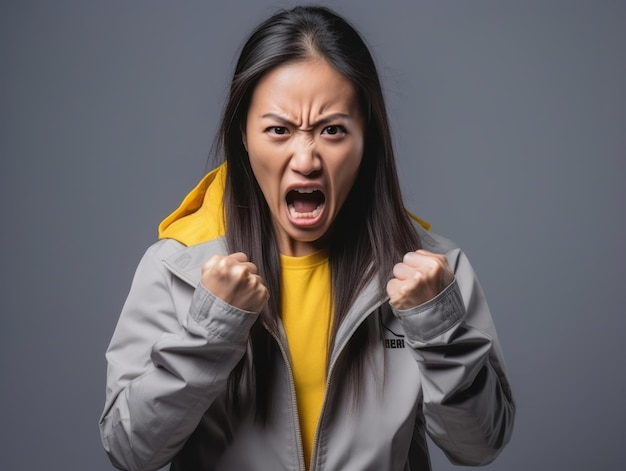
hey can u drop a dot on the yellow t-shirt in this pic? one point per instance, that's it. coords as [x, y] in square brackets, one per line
[307, 314]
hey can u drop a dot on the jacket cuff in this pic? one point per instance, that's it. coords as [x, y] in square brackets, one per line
[434, 318]
[220, 319]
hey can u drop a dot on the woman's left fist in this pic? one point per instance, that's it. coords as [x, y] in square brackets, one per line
[420, 277]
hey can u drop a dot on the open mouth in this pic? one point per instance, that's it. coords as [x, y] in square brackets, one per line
[305, 203]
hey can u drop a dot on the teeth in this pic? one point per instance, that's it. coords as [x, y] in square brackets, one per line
[305, 190]
[295, 214]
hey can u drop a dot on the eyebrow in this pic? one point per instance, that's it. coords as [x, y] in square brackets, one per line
[323, 121]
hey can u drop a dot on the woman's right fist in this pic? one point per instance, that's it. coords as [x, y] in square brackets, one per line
[235, 280]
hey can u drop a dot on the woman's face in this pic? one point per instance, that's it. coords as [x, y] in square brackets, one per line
[304, 136]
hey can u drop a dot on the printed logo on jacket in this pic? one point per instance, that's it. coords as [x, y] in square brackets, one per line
[392, 339]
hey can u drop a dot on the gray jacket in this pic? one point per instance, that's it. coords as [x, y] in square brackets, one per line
[437, 369]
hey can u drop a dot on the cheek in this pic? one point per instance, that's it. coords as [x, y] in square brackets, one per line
[348, 170]
[256, 155]
[265, 158]
[265, 176]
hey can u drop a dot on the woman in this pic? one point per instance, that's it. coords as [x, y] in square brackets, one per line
[293, 315]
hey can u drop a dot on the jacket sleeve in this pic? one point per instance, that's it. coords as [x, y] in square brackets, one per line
[165, 367]
[468, 405]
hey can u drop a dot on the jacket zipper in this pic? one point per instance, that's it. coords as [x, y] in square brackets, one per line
[331, 368]
[294, 403]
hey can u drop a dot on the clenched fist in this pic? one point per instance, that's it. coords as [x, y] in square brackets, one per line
[234, 279]
[420, 276]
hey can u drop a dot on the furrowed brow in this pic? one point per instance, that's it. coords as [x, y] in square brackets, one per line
[330, 118]
[277, 117]
[324, 121]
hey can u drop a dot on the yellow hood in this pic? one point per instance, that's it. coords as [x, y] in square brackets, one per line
[200, 217]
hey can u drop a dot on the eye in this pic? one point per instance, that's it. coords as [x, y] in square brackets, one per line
[334, 130]
[278, 130]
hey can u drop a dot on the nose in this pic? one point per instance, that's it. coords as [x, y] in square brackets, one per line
[305, 158]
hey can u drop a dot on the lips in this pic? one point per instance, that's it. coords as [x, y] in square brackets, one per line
[305, 203]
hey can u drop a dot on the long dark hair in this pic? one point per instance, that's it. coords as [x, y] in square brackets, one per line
[371, 232]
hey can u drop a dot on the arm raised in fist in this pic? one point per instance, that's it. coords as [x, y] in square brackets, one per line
[235, 280]
[420, 276]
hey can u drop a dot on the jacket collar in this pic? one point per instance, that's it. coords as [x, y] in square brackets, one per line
[367, 301]
[187, 262]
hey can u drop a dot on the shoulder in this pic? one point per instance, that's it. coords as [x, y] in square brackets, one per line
[164, 248]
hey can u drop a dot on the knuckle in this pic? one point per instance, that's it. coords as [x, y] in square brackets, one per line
[223, 263]
[404, 289]
[239, 273]
[210, 263]
[251, 268]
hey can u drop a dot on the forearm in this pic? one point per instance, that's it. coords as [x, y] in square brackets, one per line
[468, 405]
[166, 369]
[467, 402]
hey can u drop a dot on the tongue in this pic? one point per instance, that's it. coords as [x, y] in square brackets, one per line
[305, 202]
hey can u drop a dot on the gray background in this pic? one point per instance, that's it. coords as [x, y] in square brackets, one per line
[510, 125]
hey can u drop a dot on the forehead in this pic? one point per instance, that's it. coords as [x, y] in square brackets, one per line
[313, 85]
